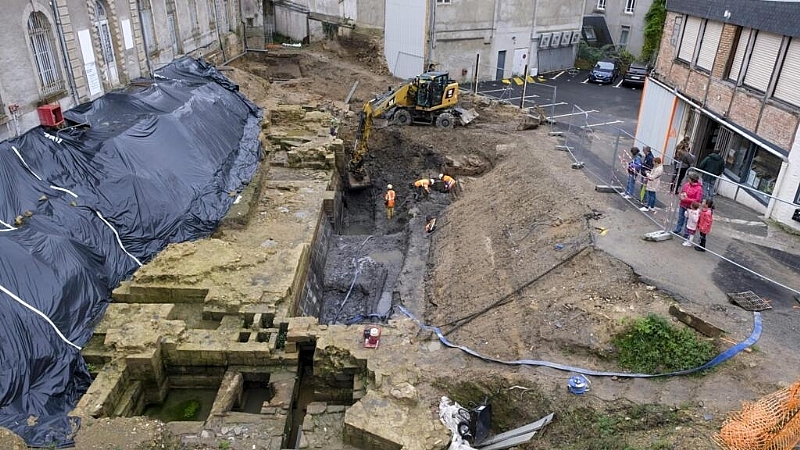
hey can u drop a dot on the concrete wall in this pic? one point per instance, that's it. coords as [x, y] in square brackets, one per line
[467, 28]
[289, 23]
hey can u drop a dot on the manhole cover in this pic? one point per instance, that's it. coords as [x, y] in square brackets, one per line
[748, 300]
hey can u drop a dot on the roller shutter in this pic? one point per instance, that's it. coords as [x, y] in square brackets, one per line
[709, 45]
[788, 87]
[738, 56]
[689, 39]
[762, 60]
[553, 59]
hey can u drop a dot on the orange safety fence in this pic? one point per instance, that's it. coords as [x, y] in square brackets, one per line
[771, 423]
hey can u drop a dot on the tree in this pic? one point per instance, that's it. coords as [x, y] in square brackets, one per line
[653, 28]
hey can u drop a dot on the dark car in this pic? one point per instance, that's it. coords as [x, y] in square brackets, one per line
[636, 74]
[604, 72]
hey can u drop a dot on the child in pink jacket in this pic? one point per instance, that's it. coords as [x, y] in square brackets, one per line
[704, 223]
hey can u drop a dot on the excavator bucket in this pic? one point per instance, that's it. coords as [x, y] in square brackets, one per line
[466, 115]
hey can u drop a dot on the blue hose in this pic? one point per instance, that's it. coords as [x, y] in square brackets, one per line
[722, 357]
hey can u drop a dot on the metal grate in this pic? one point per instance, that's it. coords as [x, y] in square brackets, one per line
[43, 45]
[749, 301]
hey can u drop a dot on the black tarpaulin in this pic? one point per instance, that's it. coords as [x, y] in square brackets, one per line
[82, 207]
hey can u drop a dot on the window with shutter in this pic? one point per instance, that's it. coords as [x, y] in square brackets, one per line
[762, 60]
[709, 45]
[738, 56]
[788, 87]
[689, 39]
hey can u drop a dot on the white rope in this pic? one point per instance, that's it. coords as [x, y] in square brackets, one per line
[119, 241]
[7, 226]
[64, 190]
[41, 314]
[25, 164]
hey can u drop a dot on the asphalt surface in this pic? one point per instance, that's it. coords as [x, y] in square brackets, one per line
[563, 94]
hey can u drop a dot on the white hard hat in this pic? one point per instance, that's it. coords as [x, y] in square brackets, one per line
[433, 181]
[389, 186]
[440, 176]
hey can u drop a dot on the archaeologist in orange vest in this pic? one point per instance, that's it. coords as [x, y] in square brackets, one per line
[448, 181]
[389, 199]
[423, 186]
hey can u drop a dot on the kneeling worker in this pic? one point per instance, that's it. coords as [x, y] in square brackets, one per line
[448, 181]
[424, 186]
[389, 199]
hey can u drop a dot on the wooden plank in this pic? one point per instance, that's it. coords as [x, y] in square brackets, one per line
[695, 322]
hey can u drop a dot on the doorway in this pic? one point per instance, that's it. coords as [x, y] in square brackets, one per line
[520, 61]
[501, 64]
[107, 47]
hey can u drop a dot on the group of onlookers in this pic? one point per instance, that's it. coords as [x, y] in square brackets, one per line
[695, 212]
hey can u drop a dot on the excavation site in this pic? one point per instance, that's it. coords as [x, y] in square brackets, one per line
[305, 319]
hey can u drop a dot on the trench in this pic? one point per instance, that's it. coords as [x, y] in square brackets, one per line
[372, 261]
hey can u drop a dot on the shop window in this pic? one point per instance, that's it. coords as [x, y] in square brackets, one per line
[763, 172]
[738, 157]
[797, 196]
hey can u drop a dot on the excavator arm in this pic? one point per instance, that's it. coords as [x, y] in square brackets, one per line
[380, 106]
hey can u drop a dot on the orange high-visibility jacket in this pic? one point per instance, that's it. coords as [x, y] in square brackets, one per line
[425, 182]
[448, 180]
[389, 197]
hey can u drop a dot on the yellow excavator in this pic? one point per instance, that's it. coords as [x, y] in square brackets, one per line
[430, 98]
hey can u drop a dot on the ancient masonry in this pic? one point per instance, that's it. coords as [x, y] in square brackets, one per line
[276, 378]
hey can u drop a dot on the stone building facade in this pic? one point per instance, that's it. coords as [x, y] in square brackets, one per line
[729, 72]
[67, 52]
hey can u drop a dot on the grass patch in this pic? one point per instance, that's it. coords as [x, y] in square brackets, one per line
[652, 345]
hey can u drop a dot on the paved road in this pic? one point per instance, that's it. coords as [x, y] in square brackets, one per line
[562, 94]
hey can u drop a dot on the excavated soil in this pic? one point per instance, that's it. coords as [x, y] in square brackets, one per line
[510, 270]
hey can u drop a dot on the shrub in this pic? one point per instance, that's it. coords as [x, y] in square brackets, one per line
[652, 345]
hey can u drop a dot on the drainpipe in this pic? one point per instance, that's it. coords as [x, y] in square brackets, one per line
[62, 42]
[144, 39]
[219, 36]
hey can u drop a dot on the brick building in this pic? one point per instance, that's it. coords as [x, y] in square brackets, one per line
[66, 52]
[727, 79]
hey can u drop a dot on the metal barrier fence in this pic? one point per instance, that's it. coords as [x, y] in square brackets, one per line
[602, 149]
[523, 91]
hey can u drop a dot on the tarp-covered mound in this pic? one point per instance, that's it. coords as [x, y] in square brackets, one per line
[82, 207]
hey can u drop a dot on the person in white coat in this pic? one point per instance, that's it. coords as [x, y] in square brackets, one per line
[653, 178]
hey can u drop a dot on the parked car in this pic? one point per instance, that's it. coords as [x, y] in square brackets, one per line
[636, 74]
[605, 71]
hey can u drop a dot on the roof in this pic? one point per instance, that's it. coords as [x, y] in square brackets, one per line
[775, 16]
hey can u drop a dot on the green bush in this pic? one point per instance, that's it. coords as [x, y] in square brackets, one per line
[652, 345]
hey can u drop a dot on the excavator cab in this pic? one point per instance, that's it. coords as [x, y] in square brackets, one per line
[430, 89]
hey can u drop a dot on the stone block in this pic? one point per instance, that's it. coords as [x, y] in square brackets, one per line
[316, 408]
[308, 423]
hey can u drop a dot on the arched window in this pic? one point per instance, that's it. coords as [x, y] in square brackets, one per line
[44, 52]
[107, 46]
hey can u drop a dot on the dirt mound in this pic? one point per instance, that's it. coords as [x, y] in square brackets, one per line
[522, 235]
[254, 87]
